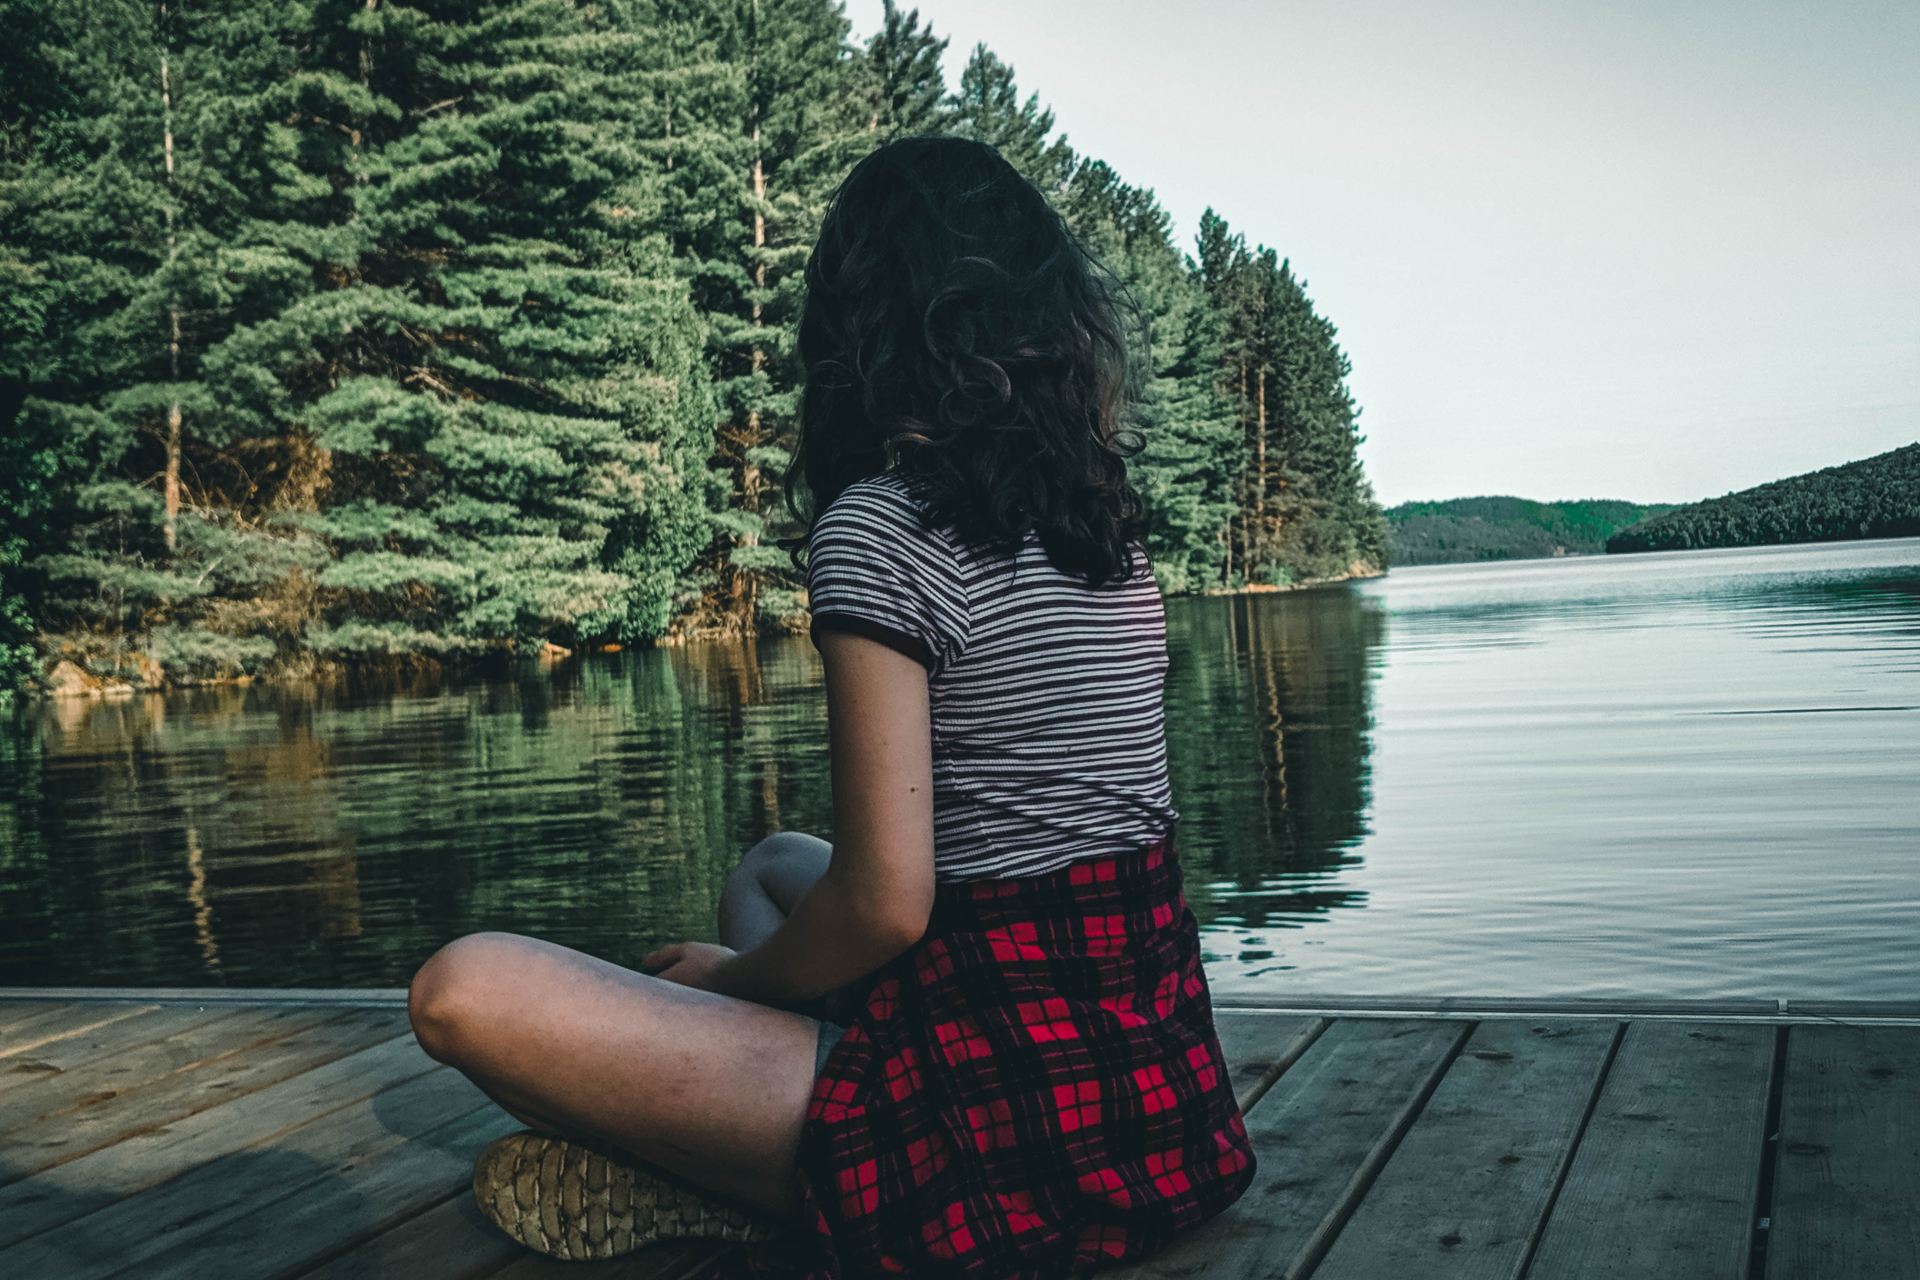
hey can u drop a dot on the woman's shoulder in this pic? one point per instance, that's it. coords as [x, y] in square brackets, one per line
[894, 486]
[885, 504]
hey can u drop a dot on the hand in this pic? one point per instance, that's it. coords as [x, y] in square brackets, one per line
[691, 964]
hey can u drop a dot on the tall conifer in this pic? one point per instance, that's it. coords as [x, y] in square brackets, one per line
[901, 82]
[1186, 427]
[360, 328]
[803, 129]
[987, 106]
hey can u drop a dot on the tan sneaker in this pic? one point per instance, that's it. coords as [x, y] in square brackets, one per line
[584, 1203]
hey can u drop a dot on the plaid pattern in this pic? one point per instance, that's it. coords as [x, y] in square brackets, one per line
[1033, 1089]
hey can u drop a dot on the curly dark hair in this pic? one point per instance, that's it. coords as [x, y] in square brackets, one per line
[955, 329]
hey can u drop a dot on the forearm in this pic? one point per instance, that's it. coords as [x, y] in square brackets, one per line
[832, 937]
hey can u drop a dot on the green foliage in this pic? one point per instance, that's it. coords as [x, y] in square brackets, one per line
[1303, 510]
[27, 469]
[399, 276]
[901, 83]
[1877, 497]
[1184, 472]
[378, 332]
[988, 106]
[1504, 528]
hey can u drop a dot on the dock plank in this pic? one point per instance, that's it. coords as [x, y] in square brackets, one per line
[376, 1185]
[1320, 1132]
[94, 1120]
[1468, 1186]
[70, 1053]
[455, 1240]
[679, 1260]
[320, 1167]
[1259, 1047]
[451, 1240]
[12, 1011]
[48, 1099]
[75, 1188]
[54, 1023]
[1664, 1179]
[318, 1141]
[1846, 1191]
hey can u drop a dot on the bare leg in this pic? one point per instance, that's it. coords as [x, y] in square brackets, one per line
[773, 876]
[703, 1085]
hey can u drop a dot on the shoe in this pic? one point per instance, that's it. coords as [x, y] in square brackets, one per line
[584, 1202]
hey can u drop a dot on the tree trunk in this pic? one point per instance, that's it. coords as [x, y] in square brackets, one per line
[746, 583]
[170, 524]
[1240, 485]
[1263, 553]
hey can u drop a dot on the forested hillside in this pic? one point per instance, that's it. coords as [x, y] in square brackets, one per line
[337, 334]
[1507, 528]
[1877, 497]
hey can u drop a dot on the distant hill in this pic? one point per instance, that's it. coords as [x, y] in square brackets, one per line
[1460, 529]
[1877, 497]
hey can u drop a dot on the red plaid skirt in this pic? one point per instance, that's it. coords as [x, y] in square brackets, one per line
[1033, 1089]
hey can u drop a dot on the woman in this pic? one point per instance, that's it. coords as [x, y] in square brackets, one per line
[972, 1036]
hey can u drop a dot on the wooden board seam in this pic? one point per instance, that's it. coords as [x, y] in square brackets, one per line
[1278, 1067]
[1317, 1244]
[1535, 1232]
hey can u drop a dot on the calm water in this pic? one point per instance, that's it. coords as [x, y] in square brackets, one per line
[1692, 774]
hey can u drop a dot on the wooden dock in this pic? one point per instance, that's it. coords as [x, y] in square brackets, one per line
[302, 1134]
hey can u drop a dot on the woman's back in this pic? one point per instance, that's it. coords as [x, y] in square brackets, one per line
[1019, 1074]
[1049, 737]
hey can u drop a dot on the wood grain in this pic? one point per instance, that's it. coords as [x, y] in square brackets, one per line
[1846, 1191]
[1664, 1180]
[1468, 1187]
[1319, 1134]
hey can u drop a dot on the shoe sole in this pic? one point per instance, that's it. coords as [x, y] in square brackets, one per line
[579, 1204]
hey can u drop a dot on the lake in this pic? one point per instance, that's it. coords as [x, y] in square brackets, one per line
[1691, 774]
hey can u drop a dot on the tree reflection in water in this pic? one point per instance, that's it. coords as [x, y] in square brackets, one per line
[334, 836]
[1269, 722]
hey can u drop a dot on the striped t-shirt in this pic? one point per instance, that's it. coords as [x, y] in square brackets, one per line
[1049, 733]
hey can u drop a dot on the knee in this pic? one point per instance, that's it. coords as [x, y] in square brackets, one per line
[746, 873]
[776, 847]
[447, 999]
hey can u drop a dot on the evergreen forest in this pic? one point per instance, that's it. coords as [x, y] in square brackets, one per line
[1877, 497]
[338, 333]
[1504, 528]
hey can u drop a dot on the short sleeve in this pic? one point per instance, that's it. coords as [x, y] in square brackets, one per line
[875, 570]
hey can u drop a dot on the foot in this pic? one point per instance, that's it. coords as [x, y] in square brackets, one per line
[586, 1202]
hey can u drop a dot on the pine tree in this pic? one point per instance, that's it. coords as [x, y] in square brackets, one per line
[507, 371]
[1187, 429]
[901, 81]
[1303, 508]
[147, 244]
[1227, 273]
[688, 123]
[387, 352]
[987, 106]
[1328, 521]
[803, 130]
[40, 104]
[365, 330]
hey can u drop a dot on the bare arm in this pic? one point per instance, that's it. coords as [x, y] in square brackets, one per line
[874, 899]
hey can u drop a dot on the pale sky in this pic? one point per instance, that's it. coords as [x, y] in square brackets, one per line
[1652, 250]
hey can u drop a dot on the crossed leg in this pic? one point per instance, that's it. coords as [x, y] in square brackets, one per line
[706, 1086]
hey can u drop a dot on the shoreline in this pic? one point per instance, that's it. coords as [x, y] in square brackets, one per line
[68, 682]
[1357, 573]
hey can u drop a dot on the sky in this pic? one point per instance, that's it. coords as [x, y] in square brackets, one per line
[1584, 248]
